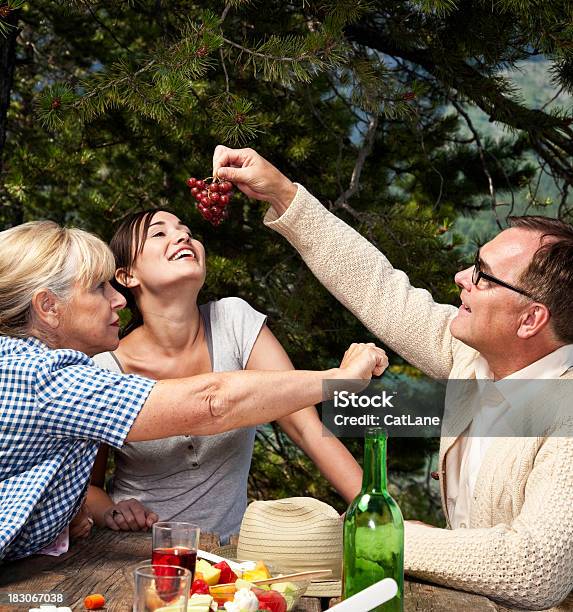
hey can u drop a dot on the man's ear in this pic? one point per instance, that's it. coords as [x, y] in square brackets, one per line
[123, 277]
[47, 308]
[535, 318]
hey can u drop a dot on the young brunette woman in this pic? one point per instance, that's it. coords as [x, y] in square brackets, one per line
[201, 479]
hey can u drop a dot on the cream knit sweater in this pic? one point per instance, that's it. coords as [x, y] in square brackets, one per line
[519, 547]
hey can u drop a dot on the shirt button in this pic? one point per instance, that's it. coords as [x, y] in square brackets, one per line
[435, 475]
[463, 525]
[190, 447]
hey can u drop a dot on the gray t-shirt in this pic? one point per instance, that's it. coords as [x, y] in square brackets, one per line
[199, 479]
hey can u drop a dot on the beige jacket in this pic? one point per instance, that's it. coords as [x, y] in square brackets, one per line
[519, 547]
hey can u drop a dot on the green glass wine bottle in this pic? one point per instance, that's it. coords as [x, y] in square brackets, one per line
[374, 529]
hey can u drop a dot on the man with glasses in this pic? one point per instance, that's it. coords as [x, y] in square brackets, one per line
[508, 502]
[478, 274]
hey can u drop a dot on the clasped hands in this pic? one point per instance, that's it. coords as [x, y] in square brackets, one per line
[126, 515]
[129, 515]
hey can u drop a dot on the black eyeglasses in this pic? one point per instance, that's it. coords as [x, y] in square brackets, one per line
[478, 274]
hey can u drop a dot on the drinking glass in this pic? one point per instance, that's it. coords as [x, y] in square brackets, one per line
[159, 586]
[175, 544]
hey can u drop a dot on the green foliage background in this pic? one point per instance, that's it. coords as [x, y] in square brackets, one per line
[115, 104]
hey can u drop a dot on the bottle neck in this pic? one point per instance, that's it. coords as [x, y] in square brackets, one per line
[374, 477]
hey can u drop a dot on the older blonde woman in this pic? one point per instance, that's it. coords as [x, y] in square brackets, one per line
[57, 309]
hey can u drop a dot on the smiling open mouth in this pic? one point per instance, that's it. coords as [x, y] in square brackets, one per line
[182, 254]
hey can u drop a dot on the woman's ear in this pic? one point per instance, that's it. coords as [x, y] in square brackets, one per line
[47, 308]
[123, 277]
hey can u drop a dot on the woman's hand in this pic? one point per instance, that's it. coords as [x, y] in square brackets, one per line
[82, 523]
[362, 361]
[254, 176]
[129, 515]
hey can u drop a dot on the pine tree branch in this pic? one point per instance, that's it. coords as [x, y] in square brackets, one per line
[559, 92]
[533, 195]
[316, 114]
[115, 82]
[508, 182]
[175, 50]
[103, 25]
[225, 11]
[364, 152]
[431, 164]
[485, 92]
[279, 439]
[563, 203]
[343, 99]
[271, 440]
[484, 165]
[274, 58]
[224, 70]
[104, 145]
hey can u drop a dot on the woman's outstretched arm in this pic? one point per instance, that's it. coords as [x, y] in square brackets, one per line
[213, 403]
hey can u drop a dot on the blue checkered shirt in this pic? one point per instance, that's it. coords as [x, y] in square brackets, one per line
[56, 407]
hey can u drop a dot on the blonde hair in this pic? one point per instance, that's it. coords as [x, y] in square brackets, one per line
[42, 255]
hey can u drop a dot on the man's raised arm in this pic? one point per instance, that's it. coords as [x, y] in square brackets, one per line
[403, 317]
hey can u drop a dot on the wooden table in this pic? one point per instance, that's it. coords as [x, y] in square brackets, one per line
[103, 564]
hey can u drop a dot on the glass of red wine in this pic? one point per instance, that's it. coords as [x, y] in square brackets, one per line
[157, 586]
[175, 544]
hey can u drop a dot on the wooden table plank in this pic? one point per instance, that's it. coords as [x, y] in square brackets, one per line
[101, 564]
[104, 564]
[431, 598]
[308, 604]
[422, 597]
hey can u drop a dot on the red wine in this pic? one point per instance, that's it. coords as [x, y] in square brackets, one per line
[182, 557]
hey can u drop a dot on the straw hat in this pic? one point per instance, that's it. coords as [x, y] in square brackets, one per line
[298, 534]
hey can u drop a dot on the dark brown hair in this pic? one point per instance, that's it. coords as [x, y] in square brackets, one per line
[126, 244]
[549, 276]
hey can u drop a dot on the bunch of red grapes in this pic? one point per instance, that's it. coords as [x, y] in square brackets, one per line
[213, 197]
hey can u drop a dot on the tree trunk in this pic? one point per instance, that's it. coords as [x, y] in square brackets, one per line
[7, 64]
[13, 213]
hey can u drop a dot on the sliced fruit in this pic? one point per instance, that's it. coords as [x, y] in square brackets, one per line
[221, 594]
[241, 583]
[200, 586]
[199, 603]
[288, 590]
[205, 571]
[227, 574]
[273, 600]
[260, 566]
[261, 572]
